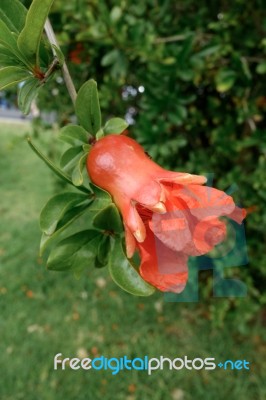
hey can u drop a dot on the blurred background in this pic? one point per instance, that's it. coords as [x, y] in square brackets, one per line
[189, 77]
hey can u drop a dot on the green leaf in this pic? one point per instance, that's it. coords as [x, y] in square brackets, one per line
[109, 219]
[27, 93]
[261, 68]
[99, 134]
[56, 207]
[77, 174]
[70, 216]
[115, 126]
[7, 39]
[208, 51]
[7, 58]
[75, 252]
[101, 199]
[54, 168]
[224, 80]
[103, 251]
[30, 36]
[13, 13]
[74, 135]
[71, 157]
[110, 58]
[115, 14]
[88, 107]
[86, 148]
[124, 274]
[181, 112]
[59, 54]
[12, 76]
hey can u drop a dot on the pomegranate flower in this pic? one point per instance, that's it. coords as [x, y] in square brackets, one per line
[168, 216]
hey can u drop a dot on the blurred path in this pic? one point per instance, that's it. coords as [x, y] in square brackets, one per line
[13, 116]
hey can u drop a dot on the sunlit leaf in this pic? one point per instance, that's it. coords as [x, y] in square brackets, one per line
[115, 126]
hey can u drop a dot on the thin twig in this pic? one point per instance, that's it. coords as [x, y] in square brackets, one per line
[67, 77]
[175, 38]
[53, 66]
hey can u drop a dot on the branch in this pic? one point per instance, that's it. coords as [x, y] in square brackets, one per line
[175, 38]
[67, 78]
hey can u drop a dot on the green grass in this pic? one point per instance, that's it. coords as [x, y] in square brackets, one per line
[44, 313]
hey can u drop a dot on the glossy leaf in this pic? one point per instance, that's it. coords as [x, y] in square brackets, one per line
[69, 218]
[109, 219]
[77, 174]
[71, 157]
[10, 76]
[74, 135]
[115, 126]
[75, 252]
[54, 168]
[101, 199]
[125, 275]
[27, 93]
[56, 207]
[88, 107]
[103, 251]
[30, 36]
[13, 13]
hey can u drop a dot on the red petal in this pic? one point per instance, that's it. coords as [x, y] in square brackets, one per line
[131, 218]
[204, 201]
[181, 178]
[238, 215]
[130, 242]
[206, 234]
[163, 268]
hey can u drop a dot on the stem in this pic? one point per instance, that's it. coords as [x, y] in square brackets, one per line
[51, 69]
[67, 77]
